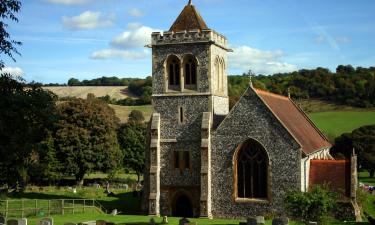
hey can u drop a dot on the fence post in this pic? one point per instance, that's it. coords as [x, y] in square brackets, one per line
[49, 207]
[36, 207]
[73, 206]
[22, 208]
[6, 209]
[62, 206]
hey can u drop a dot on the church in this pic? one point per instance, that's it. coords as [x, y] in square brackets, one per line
[204, 160]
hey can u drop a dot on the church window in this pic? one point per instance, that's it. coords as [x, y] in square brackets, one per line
[181, 115]
[190, 72]
[181, 161]
[173, 71]
[251, 168]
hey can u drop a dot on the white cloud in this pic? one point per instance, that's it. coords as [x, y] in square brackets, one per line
[137, 35]
[14, 71]
[135, 12]
[260, 62]
[68, 2]
[88, 20]
[116, 53]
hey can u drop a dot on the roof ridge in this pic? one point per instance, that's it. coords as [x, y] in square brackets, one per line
[271, 93]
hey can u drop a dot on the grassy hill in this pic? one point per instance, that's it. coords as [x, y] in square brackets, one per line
[115, 92]
[123, 112]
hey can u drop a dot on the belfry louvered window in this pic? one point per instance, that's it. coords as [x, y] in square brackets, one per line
[252, 171]
[173, 71]
[190, 72]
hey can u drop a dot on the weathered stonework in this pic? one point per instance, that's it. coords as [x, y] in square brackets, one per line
[251, 119]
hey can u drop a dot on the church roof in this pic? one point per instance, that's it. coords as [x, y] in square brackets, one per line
[334, 173]
[189, 19]
[295, 121]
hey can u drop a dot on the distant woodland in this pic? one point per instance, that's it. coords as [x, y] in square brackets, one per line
[347, 85]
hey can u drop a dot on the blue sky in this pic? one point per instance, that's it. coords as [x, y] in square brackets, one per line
[90, 38]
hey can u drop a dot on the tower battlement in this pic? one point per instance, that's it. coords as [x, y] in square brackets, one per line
[191, 36]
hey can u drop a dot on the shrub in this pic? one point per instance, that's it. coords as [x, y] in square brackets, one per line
[314, 205]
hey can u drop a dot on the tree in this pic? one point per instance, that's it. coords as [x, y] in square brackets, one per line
[363, 141]
[26, 115]
[136, 117]
[310, 206]
[85, 137]
[132, 140]
[7, 45]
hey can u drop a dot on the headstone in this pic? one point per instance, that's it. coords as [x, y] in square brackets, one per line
[152, 221]
[260, 220]
[2, 219]
[251, 221]
[165, 220]
[183, 221]
[101, 222]
[22, 221]
[46, 221]
[280, 221]
[12, 222]
[114, 212]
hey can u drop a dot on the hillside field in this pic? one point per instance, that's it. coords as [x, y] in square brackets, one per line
[116, 92]
[335, 123]
[122, 112]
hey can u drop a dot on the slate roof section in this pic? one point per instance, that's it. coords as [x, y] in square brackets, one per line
[295, 121]
[189, 19]
[334, 173]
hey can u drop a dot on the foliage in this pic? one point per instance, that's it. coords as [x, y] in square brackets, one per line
[136, 117]
[363, 141]
[349, 86]
[85, 137]
[314, 205]
[142, 88]
[7, 45]
[26, 115]
[103, 81]
[132, 140]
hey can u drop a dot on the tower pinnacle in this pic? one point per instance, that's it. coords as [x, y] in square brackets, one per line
[190, 2]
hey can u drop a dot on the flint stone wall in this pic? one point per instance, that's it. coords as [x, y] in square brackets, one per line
[252, 119]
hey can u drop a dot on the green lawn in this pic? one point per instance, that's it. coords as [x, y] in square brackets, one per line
[335, 123]
[369, 205]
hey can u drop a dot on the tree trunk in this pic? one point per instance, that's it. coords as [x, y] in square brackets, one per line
[79, 178]
[372, 171]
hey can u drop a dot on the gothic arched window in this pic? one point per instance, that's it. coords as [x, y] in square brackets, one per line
[173, 68]
[251, 171]
[190, 70]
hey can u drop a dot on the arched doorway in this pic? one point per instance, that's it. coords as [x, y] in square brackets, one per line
[182, 206]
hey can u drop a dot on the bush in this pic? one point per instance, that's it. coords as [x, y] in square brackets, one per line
[314, 205]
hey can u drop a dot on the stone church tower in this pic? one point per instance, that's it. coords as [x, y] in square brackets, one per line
[190, 95]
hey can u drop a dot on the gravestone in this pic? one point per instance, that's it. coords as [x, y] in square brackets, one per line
[101, 222]
[183, 221]
[152, 221]
[12, 222]
[46, 221]
[280, 221]
[22, 221]
[251, 221]
[260, 220]
[165, 220]
[2, 219]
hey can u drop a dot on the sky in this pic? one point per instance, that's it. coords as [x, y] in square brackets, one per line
[86, 39]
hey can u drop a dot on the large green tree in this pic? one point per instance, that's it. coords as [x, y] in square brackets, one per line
[8, 8]
[132, 140]
[26, 115]
[363, 141]
[85, 137]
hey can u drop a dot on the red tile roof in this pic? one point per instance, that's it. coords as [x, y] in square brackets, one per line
[334, 173]
[189, 19]
[295, 121]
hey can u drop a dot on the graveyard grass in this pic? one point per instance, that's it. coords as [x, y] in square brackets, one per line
[369, 205]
